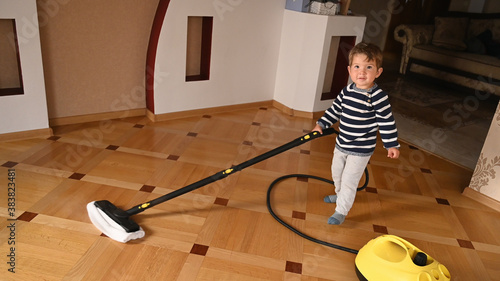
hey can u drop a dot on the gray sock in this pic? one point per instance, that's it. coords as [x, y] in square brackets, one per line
[330, 198]
[336, 218]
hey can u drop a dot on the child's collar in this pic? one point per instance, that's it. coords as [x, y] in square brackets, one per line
[364, 90]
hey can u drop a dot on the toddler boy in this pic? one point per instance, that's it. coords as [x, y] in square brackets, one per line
[363, 109]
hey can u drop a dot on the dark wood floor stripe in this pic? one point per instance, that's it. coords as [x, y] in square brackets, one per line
[293, 267]
[9, 164]
[27, 216]
[76, 176]
[198, 249]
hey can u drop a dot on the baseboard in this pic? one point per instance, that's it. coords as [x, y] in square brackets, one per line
[177, 115]
[481, 198]
[96, 117]
[318, 114]
[30, 134]
[153, 117]
[150, 115]
[296, 113]
[283, 108]
[204, 111]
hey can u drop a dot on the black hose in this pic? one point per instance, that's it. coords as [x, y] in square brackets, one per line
[276, 217]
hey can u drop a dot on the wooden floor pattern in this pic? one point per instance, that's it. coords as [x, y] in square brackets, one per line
[223, 231]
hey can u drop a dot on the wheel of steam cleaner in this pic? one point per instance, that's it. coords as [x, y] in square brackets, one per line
[383, 258]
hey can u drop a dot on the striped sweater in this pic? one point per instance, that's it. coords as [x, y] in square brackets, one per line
[362, 113]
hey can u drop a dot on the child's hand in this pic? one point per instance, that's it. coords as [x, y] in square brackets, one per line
[393, 153]
[317, 128]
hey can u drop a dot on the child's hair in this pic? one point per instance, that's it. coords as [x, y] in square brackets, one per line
[371, 51]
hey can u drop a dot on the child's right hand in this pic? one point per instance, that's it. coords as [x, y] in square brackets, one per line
[317, 128]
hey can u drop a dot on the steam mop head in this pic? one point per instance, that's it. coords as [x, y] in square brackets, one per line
[113, 222]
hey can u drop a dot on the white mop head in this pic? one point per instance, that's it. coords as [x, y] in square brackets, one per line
[109, 227]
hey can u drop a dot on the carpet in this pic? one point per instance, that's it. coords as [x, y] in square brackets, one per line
[423, 109]
[461, 146]
[419, 93]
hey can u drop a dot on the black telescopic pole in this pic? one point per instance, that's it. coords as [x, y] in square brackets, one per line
[224, 173]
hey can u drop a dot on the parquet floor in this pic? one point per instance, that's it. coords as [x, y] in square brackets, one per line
[223, 231]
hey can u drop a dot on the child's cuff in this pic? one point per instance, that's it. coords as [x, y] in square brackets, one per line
[322, 126]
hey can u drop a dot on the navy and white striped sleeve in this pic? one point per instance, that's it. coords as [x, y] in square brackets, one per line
[332, 114]
[385, 119]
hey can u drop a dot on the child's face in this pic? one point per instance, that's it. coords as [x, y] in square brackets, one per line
[363, 72]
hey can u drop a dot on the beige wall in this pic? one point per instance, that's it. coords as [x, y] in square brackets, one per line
[193, 48]
[94, 54]
[378, 16]
[486, 177]
[9, 68]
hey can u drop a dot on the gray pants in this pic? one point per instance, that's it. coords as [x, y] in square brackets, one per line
[346, 173]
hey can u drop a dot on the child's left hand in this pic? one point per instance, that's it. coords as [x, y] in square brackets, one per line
[393, 153]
